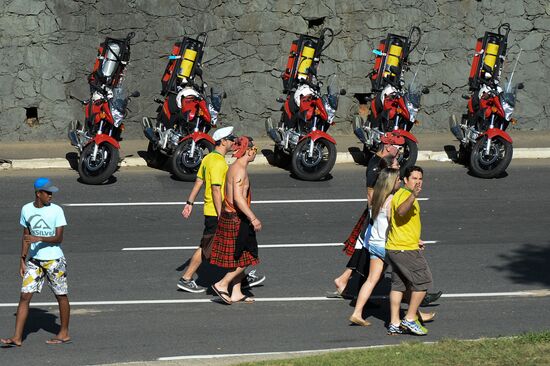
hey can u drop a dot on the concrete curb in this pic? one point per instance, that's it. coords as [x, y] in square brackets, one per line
[341, 158]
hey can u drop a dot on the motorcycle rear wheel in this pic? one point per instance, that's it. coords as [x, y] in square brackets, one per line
[409, 155]
[493, 164]
[316, 167]
[185, 167]
[98, 171]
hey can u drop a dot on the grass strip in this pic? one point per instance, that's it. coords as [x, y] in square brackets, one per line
[525, 349]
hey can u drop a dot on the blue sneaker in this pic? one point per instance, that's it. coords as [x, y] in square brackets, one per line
[414, 327]
[394, 329]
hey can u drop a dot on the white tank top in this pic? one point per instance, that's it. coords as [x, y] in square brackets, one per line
[379, 231]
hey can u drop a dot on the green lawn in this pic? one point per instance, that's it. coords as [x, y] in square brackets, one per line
[526, 349]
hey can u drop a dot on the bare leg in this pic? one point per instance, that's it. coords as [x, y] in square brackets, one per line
[395, 306]
[375, 272]
[64, 315]
[342, 281]
[416, 299]
[194, 264]
[20, 319]
[227, 280]
[236, 293]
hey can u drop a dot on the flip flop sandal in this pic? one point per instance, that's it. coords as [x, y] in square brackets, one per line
[9, 344]
[56, 341]
[221, 295]
[246, 300]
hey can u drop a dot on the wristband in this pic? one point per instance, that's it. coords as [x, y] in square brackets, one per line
[254, 219]
[189, 203]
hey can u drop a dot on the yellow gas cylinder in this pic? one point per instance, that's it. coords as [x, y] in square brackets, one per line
[306, 59]
[393, 58]
[491, 55]
[189, 57]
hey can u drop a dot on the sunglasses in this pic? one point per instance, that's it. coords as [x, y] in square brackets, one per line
[48, 193]
[230, 138]
[253, 148]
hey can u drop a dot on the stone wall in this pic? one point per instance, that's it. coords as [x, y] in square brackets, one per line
[48, 48]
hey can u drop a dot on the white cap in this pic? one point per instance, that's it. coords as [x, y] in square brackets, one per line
[223, 133]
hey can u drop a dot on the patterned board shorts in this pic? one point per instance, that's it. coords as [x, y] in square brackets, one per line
[37, 270]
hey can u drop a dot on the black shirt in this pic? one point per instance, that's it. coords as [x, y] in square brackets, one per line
[372, 170]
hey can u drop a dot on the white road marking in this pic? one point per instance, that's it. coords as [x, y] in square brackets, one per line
[114, 204]
[289, 353]
[529, 293]
[306, 245]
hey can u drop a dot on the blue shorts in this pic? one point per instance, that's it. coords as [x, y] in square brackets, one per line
[377, 252]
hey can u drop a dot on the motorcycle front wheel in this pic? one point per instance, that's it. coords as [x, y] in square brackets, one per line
[490, 165]
[185, 166]
[98, 170]
[408, 156]
[318, 165]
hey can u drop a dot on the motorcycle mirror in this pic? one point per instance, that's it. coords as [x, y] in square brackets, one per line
[280, 100]
[224, 95]
[425, 91]
[520, 86]
[159, 101]
[343, 91]
[465, 96]
[135, 94]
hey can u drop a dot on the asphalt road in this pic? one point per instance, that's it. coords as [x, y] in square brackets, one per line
[490, 238]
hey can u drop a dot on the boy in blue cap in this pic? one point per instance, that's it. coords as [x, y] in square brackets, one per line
[41, 258]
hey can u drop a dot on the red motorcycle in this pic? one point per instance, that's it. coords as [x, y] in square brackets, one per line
[301, 134]
[393, 108]
[185, 115]
[484, 143]
[97, 139]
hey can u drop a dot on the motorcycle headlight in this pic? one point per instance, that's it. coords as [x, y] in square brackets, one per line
[213, 114]
[508, 110]
[331, 111]
[412, 111]
[118, 116]
[507, 100]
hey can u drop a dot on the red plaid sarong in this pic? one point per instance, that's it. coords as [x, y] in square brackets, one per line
[224, 243]
[349, 244]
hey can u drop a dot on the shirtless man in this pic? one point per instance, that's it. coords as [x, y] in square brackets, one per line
[235, 246]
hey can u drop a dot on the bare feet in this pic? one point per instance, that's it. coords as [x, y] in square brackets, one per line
[59, 340]
[359, 321]
[10, 342]
[340, 285]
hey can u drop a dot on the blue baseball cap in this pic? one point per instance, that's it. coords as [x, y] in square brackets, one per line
[45, 184]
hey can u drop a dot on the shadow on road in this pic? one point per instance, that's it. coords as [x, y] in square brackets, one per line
[528, 264]
[40, 319]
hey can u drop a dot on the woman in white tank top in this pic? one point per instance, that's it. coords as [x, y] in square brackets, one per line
[388, 182]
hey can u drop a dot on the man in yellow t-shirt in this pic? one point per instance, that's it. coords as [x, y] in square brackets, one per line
[211, 174]
[410, 271]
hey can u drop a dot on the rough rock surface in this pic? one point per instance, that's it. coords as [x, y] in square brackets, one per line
[48, 48]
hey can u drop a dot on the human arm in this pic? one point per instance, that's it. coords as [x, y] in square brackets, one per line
[186, 212]
[217, 198]
[370, 192]
[406, 205]
[241, 203]
[25, 243]
[56, 239]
